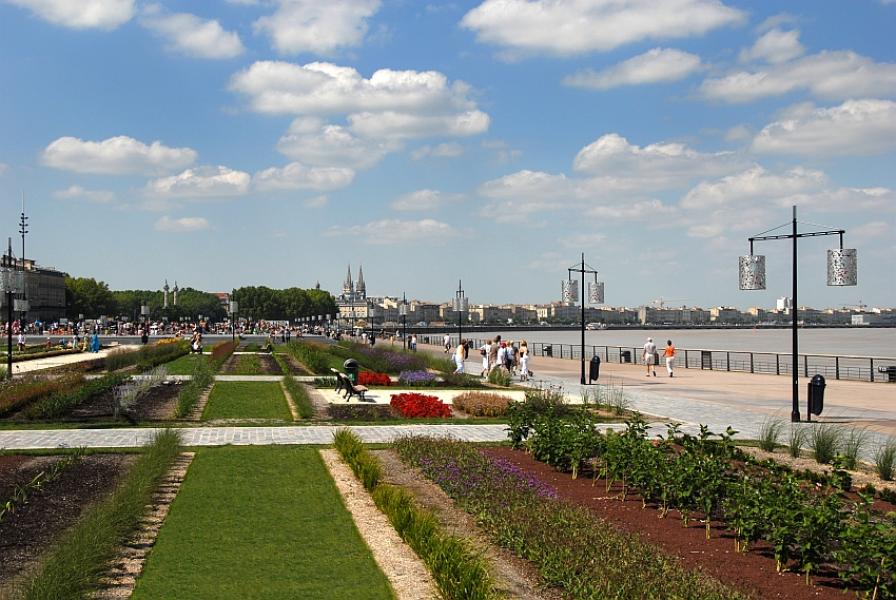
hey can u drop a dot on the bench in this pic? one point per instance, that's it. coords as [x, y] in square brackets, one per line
[350, 388]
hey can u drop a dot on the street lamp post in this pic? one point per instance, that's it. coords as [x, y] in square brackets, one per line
[403, 312]
[11, 282]
[842, 271]
[570, 289]
[234, 307]
[461, 304]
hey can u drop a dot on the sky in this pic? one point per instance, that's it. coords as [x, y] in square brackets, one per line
[274, 142]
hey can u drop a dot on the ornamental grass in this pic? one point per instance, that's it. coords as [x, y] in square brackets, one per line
[482, 404]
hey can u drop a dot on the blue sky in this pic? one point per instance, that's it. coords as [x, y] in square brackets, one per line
[272, 142]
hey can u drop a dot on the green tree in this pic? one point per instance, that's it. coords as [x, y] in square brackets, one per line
[89, 297]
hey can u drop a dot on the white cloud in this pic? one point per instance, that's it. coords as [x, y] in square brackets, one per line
[446, 150]
[872, 229]
[775, 46]
[76, 192]
[390, 104]
[115, 156]
[637, 210]
[81, 14]
[654, 66]
[567, 27]
[181, 225]
[754, 184]
[424, 200]
[201, 182]
[583, 240]
[296, 176]
[312, 141]
[395, 231]
[738, 133]
[835, 75]
[656, 165]
[504, 153]
[317, 201]
[854, 127]
[315, 26]
[191, 35]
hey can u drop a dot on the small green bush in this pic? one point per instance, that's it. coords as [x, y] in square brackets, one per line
[770, 434]
[853, 443]
[299, 397]
[885, 461]
[499, 376]
[796, 441]
[825, 441]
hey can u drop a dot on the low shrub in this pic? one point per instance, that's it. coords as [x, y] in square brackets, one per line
[885, 460]
[482, 404]
[499, 376]
[147, 357]
[420, 378]
[461, 380]
[325, 382]
[458, 570]
[313, 356]
[852, 446]
[59, 403]
[202, 377]
[373, 378]
[770, 434]
[73, 567]
[825, 441]
[18, 393]
[796, 441]
[413, 405]
[221, 352]
[362, 412]
[380, 359]
[299, 397]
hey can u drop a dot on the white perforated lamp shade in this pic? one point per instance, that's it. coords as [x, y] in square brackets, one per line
[596, 292]
[843, 268]
[751, 270]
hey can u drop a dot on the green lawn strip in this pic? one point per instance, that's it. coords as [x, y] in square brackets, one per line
[246, 364]
[259, 522]
[299, 397]
[75, 564]
[247, 400]
[185, 364]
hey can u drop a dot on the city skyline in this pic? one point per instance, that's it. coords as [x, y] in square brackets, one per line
[274, 142]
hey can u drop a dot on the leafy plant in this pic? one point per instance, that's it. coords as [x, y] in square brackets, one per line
[853, 443]
[482, 404]
[770, 434]
[499, 376]
[796, 441]
[885, 460]
[299, 397]
[825, 440]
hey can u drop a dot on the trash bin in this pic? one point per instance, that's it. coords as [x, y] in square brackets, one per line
[351, 369]
[816, 394]
[625, 356]
[547, 350]
[890, 371]
[594, 370]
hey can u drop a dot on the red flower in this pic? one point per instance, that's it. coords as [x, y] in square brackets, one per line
[413, 405]
[373, 378]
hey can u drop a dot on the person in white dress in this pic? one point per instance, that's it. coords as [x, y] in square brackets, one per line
[524, 361]
[459, 356]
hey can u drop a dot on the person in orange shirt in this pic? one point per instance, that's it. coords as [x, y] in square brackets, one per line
[669, 353]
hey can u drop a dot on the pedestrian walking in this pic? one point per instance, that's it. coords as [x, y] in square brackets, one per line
[459, 355]
[669, 353]
[650, 356]
[446, 342]
[484, 351]
[524, 361]
[21, 342]
[413, 342]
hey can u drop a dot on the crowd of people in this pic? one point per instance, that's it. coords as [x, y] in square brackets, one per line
[495, 353]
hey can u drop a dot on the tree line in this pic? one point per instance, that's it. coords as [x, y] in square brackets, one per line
[91, 298]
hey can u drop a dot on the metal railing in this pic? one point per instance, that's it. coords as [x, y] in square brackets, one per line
[831, 366]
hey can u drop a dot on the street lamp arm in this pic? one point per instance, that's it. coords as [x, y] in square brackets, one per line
[791, 236]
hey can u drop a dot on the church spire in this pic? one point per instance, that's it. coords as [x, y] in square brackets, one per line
[361, 288]
[348, 287]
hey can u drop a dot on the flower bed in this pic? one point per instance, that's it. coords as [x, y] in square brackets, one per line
[482, 404]
[16, 394]
[811, 524]
[373, 378]
[420, 378]
[413, 405]
[380, 359]
[569, 547]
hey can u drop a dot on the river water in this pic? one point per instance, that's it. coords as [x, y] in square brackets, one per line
[876, 342]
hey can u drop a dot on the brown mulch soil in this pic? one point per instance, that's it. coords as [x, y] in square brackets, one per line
[514, 577]
[268, 365]
[157, 404]
[29, 532]
[294, 367]
[752, 572]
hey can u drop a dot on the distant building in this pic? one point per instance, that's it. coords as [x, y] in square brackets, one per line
[44, 291]
[784, 304]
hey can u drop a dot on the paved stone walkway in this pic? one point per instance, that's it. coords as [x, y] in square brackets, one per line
[238, 436]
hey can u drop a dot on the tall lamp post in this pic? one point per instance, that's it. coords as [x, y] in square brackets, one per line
[570, 291]
[842, 270]
[11, 282]
[403, 313]
[234, 307]
[461, 305]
